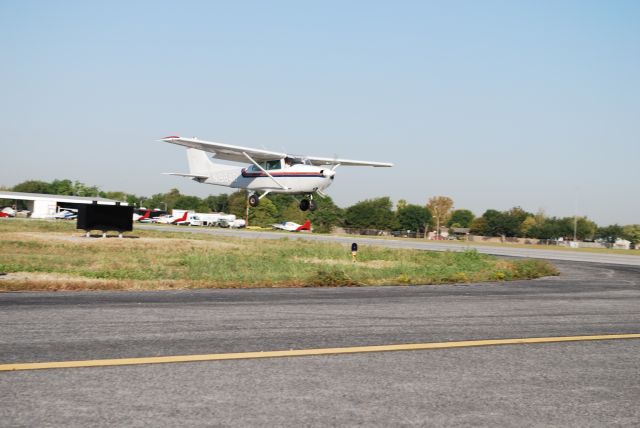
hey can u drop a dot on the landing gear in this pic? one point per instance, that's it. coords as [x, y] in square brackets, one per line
[254, 200]
[308, 204]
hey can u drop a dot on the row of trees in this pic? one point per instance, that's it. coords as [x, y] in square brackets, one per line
[378, 213]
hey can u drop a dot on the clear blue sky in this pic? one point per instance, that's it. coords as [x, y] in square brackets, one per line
[493, 103]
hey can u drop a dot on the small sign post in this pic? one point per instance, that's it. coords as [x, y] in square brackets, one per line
[354, 252]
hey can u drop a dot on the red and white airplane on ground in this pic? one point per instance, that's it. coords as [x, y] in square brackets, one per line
[173, 219]
[271, 171]
[145, 218]
[291, 226]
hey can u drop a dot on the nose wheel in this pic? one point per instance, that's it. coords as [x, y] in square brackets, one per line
[308, 205]
[254, 200]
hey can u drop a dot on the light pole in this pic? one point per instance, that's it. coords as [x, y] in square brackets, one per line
[575, 217]
[437, 223]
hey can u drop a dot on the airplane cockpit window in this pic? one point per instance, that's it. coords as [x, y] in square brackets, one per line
[268, 165]
[274, 164]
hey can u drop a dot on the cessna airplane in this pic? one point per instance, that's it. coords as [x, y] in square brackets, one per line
[270, 172]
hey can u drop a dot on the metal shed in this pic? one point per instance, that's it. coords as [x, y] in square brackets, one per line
[45, 206]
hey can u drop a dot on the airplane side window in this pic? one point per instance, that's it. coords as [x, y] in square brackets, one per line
[275, 164]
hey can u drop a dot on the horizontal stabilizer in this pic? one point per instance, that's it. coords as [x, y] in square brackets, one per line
[182, 174]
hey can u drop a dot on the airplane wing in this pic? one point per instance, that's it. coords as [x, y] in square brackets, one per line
[237, 153]
[345, 162]
[226, 151]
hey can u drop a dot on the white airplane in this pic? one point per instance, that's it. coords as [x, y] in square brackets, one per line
[271, 172]
[66, 214]
[7, 212]
[292, 226]
[145, 218]
[171, 219]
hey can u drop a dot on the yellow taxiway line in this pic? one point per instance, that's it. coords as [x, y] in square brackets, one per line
[306, 352]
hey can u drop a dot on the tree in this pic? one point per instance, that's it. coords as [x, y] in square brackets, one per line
[218, 203]
[33, 186]
[118, 196]
[532, 224]
[282, 202]
[155, 201]
[610, 233]
[193, 203]
[371, 214]
[440, 207]
[292, 212]
[479, 226]
[413, 217]
[327, 216]
[238, 203]
[632, 233]
[133, 200]
[402, 203]
[263, 215]
[463, 218]
[171, 197]
[585, 228]
[62, 187]
[505, 223]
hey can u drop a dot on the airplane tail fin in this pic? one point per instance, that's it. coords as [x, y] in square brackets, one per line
[305, 226]
[181, 219]
[199, 162]
[202, 169]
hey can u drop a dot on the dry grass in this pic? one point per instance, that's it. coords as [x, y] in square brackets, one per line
[54, 256]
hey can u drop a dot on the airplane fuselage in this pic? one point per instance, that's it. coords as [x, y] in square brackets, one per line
[295, 179]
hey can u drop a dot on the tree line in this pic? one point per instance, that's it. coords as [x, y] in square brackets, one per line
[376, 213]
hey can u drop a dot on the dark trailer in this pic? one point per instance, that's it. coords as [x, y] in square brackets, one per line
[105, 218]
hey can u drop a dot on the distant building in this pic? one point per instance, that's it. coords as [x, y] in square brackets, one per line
[460, 232]
[622, 244]
[46, 206]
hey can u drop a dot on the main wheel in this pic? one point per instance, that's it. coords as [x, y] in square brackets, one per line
[312, 205]
[305, 204]
[254, 200]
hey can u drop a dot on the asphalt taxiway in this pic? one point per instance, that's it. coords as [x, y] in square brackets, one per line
[571, 384]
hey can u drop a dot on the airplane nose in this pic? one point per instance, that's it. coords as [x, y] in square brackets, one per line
[328, 173]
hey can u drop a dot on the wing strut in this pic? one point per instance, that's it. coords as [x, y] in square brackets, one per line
[265, 171]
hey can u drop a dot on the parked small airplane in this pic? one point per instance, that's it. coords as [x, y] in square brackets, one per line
[169, 219]
[7, 212]
[271, 171]
[142, 218]
[291, 226]
[66, 214]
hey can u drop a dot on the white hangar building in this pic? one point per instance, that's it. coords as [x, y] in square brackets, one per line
[45, 206]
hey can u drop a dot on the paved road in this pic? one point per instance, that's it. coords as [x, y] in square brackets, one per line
[536, 253]
[570, 384]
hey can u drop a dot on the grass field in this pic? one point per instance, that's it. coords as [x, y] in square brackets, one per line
[44, 255]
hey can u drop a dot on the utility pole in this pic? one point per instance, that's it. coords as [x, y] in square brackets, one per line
[575, 216]
[246, 214]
